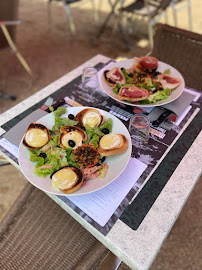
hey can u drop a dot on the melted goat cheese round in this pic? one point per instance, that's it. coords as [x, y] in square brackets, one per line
[110, 141]
[36, 137]
[91, 119]
[64, 179]
[73, 135]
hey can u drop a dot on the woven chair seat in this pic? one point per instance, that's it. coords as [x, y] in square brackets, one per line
[39, 234]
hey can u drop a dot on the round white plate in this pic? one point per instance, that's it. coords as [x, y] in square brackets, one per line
[161, 67]
[116, 163]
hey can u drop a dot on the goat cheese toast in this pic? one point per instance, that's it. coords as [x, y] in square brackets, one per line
[69, 152]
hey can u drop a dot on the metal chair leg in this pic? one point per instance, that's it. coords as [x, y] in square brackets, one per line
[14, 49]
[69, 16]
[190, 15]
[49, 13]
[124, 36]
[150, 33]
[95, 12]
[166, 17]
[174, 14]
[106, 20]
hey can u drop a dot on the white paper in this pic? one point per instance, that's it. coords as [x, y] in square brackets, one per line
[10, 147]
[101, 205]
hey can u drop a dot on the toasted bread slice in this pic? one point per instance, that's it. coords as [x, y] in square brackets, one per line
[107, 80]
[36, 136]
[68, 179]
[131, 99]
[132, 94]
[90, 117]
[71, 133]
[112, 144]
[86, 156]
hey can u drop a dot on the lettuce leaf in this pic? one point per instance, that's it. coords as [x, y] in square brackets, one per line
[107, 124]
[118, 86]
[93, 135]
[54, 140]
[60, 122]
[70, 157]
[116, 89]
[103, 172]
[94, 140]
[159, 95]
[60, 111]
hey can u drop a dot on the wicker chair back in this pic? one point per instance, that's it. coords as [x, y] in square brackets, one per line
[181, 49]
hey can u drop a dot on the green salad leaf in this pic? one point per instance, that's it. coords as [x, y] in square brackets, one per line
[103, 172]
[107, 124]
[167, 71]
[54, 140]
[126, 75]
[93, 135]
[70, 158]
[51, 109]
[159, 95]
[149, 82]
[60, 111]
[60, 122]
[116, 89]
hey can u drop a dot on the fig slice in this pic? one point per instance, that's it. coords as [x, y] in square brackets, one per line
[133, 94]
[168, 81]
[114, 76]
[36, 136]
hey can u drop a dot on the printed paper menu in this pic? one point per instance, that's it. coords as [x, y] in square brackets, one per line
[101, 205]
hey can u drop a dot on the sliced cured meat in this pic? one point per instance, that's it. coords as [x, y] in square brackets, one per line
[148, 62]
[114, 76]
[133, 93]
[168, 81]
[93, 172]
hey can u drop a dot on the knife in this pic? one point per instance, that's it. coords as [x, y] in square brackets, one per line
[162, 118]
[175, 107]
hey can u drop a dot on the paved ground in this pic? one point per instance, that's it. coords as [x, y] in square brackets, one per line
[51, 52]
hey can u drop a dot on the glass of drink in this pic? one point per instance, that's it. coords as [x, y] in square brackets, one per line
[139, 128]
[90, 78]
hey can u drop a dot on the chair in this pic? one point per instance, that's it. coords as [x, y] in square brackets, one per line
[181, 49]
[68, 6]
[38, 234]
[152, 11]
[182, 5]
[3, 26]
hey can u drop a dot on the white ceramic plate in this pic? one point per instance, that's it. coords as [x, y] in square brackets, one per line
[116, 163]
[161, 67]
